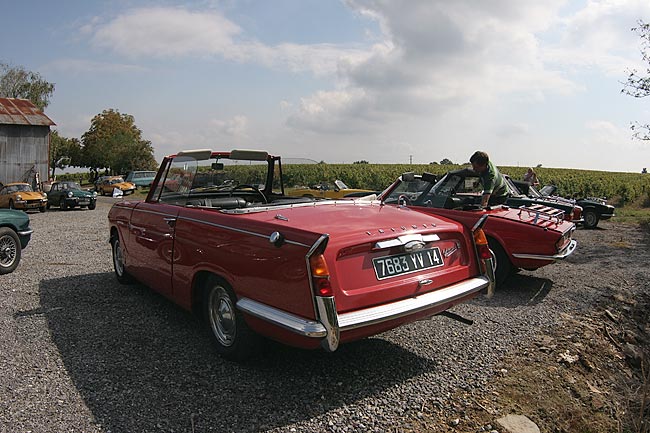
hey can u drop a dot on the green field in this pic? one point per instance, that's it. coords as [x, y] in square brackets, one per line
[623, 190]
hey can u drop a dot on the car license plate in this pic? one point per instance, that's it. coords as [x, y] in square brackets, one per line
[399, 264]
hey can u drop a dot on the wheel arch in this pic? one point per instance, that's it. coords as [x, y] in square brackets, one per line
[199, 287]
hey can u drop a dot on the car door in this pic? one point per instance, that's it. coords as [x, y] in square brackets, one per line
[150, 247]
[53, 197]
[151, 244]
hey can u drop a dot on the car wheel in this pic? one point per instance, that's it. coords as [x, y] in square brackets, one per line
[591, 218]
[48, 205]
[123, 277]
[234, 339]
[503, 266]
[11, 204]
[42, 208]
[92, 205]
[9, 250]
[63, 205]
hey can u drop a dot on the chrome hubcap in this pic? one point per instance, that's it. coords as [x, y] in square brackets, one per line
[590, 218]
[222, 316]
[8, 250]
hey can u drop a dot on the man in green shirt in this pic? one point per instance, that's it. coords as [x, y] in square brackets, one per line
[494, 185]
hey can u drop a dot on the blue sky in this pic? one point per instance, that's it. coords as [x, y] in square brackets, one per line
[386, 81]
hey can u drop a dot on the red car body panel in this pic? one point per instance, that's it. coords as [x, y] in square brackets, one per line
[530, 238]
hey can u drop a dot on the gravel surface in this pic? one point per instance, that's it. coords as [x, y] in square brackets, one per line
[81, 352]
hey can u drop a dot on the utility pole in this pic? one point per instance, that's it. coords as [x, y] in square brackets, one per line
[411, 159]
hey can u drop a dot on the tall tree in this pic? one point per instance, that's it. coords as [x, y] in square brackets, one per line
[64, 151]
[115, 143]
[638, 85]
[18, 82]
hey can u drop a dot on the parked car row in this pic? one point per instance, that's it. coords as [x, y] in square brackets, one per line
[312, 272]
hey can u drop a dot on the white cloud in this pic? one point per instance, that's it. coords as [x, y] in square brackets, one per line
[600, 36]
[164, 32]
[234, 127]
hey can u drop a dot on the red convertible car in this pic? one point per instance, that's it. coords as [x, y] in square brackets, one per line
[525, 237]
[304, 272]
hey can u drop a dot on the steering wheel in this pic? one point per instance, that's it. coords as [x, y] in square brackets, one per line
[244, 186]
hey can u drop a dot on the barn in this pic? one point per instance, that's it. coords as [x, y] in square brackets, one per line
[24, 142]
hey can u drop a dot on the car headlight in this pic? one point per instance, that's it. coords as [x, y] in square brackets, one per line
[18, 197]
[70, 194]
[94, 193]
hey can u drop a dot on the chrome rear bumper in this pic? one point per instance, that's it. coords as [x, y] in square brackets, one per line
[331, 323]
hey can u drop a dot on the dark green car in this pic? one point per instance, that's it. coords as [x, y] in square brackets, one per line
[69, 195]
[15, 233]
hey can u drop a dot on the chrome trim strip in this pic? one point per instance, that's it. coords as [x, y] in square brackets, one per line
[404, 239]
[395, 310]
[299, 325]
[26, 232]
[346, 202]
[559, 256]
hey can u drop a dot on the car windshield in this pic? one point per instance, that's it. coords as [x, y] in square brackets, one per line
[532, 192]
[71, 185]
[240, 179]
[455, 189]
[340, 184]
[19, 188]
[547, 190]
[116, 180]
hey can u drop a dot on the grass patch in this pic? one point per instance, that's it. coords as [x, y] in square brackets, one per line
[633, 215]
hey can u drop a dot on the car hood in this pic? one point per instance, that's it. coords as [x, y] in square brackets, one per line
[29, 195]
[81, 193]
[123, 185]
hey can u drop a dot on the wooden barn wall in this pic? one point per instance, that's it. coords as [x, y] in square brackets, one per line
[21, 147]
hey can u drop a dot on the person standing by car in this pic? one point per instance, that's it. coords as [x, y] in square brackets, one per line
[531, 177]
[495, 190]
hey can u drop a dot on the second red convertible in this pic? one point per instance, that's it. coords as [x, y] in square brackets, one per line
[303, 272]
[525, 237]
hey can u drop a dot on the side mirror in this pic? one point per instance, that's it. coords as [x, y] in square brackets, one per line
[217, 165]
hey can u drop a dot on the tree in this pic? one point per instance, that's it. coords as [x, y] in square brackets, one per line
[639, 85]
[446, 161]
[363, 161]
[18, 82]
[64, 152]
[115, 143]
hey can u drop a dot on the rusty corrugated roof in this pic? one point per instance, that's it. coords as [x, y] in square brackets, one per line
[22, 112]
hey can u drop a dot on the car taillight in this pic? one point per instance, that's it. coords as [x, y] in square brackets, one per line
[482, 244]
[320, 275]
[577, 212]
[563, 241]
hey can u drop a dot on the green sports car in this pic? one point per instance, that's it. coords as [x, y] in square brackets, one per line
[15, 233]
[68, 195]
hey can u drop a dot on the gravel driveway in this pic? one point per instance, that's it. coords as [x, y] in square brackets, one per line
[82, 353]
